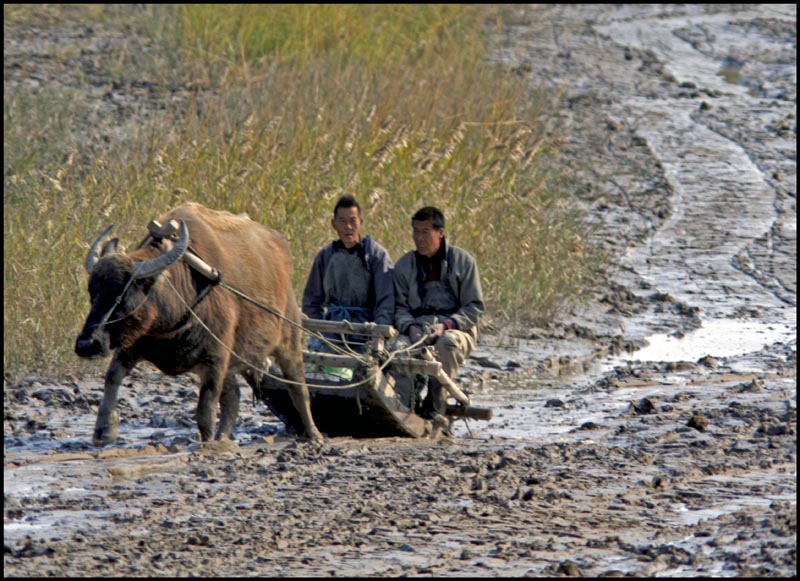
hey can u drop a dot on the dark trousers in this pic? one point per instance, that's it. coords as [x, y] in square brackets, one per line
[434, 402]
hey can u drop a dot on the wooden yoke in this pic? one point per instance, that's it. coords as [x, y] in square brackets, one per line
[170, 231]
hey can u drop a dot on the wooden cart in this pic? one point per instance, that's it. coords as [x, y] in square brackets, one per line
[381, 397]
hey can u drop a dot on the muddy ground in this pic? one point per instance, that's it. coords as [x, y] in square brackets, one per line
[678, 131]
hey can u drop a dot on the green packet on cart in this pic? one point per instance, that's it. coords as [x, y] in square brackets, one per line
[343, 372]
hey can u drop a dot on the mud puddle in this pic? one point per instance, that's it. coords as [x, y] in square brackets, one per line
[716, 338]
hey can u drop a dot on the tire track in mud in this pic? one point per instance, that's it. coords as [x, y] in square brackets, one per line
[708, 171]
[721, 203]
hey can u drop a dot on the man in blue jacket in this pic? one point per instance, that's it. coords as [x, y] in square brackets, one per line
[351, 279]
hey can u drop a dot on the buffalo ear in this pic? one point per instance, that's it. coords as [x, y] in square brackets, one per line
[110, 247]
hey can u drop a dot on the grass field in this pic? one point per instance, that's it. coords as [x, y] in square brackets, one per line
[277, 110]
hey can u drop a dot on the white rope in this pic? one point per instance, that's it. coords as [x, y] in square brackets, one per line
[104, 321]
[369, 378]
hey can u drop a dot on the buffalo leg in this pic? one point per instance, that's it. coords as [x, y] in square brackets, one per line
[210, 389]
[293, 370]
[106, 427]
[228, 407]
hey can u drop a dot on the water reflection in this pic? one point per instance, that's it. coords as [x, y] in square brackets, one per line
[717, 338]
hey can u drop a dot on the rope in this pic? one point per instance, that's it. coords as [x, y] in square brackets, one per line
[320, 336]
[343, 351]
[367, 379]
[104, 320]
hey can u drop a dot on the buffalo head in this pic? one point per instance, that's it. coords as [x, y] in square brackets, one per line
[119, 284]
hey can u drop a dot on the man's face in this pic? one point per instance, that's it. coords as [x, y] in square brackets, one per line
[427, 239]
[347, 224]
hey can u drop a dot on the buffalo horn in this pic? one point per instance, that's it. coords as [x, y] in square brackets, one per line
[166, 259]
[94, 252]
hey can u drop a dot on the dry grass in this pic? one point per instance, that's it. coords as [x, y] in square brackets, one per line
[277, 113]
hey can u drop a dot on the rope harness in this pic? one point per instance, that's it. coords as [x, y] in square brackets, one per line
[340, 350]
[385, 359]
[104, 321]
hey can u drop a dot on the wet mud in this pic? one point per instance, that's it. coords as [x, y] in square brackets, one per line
[651, 432]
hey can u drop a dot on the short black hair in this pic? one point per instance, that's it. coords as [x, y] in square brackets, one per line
[346, 201]
[435, 215]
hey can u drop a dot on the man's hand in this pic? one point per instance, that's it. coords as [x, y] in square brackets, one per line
[438, 330]
[415, 333]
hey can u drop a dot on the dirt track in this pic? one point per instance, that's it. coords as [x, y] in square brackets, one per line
[679, 133]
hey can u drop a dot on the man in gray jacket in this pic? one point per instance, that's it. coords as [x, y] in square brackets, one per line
[350, 279]
[438, 299]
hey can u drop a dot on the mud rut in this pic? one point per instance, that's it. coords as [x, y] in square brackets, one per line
[597, 463]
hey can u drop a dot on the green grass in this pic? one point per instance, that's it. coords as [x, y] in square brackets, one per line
[276, 111]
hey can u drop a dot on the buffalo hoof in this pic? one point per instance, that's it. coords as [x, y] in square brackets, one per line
[315, 436]
[106, 430]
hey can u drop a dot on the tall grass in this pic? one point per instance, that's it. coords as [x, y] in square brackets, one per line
[276, 110]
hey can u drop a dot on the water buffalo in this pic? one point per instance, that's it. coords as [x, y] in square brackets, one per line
[140, 309]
